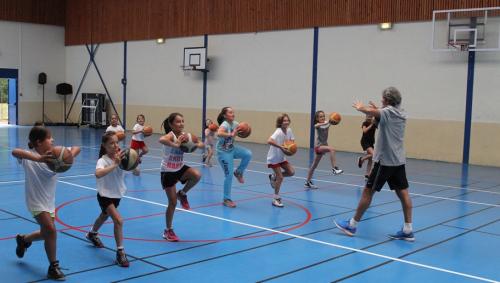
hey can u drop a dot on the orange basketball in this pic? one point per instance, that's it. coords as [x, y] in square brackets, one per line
[244, 130]
[335, 118]
[62, 161]
[148, 131]
[213, 127]
[120, 135]
[291, 146]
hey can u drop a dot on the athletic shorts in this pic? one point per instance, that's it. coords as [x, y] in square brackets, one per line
[395, 176]
[104, 202]
[137, 144]
[277, 165]
[168, 179]
[366, 144]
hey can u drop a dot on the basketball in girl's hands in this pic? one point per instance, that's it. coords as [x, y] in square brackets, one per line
[213, 127]
[62, 161]
[130, 159]
[291, 147]
[244, 130]
[335, 118]
[147, 131]
[191, 143]
[120, 135]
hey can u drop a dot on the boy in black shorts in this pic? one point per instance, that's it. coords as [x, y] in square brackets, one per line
[389, 160]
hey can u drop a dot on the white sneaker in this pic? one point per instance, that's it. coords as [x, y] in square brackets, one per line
[310, 185]
[337, 171]
[277, 202]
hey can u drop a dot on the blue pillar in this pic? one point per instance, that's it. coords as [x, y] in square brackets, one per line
[124, 84]
[204, 106]
[313, 93]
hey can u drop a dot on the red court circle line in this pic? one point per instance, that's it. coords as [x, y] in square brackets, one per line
[77, 228]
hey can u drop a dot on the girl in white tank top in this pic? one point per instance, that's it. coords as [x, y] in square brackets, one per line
[173, 170]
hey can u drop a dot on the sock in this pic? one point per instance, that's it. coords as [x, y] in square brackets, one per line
[92, 231]
[276, 196]
[407, 228]
[120, 248]
[182, 192]
[353, 223]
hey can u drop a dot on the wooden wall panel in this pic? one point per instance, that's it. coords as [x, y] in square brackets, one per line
[50, 12]
[78, 22]
[118, 20]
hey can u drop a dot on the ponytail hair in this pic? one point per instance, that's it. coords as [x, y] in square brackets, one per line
[166, 125]
[105, 138]
[220, 117]
[37, 134]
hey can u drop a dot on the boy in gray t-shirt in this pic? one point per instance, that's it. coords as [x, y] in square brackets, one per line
[389, 162]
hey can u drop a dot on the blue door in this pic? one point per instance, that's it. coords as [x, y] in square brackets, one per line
[12, 76]
[13, 101]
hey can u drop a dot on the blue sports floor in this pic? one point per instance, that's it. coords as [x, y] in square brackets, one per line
[457, 229]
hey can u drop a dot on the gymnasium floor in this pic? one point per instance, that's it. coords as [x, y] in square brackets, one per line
[457, 229]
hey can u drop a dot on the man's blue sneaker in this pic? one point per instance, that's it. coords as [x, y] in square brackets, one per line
[345, 227]
[400, 235]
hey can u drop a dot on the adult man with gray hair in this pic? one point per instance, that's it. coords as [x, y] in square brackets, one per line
[389, 161]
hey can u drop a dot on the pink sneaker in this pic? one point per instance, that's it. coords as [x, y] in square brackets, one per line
[239, 177]
[170, 236]
[229, 203]
[184, 200]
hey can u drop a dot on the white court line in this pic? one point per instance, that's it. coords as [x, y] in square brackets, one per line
[360, 175]
[295, 177]
[387, 190]
[304, 238]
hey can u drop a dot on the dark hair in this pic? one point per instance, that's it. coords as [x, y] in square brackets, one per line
[37, 134]
[316, 116]
[140, 115]
[38, 124]
[220, 117]
[169, 120]
[279, 120]
[105, 138]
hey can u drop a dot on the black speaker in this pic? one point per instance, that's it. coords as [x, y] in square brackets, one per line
[42, 78]
[64, 89]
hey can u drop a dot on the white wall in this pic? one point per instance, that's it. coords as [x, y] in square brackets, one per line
[32, 49]
[269, 71]
[360, 61]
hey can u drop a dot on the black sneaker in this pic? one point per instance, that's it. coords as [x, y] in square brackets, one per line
[310, 185]
[94, 239]
[360, 161]
[22, 246]
[204, 158]
[55, 272]
[121, 259]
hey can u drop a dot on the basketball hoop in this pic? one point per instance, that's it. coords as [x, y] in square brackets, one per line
[459, 46]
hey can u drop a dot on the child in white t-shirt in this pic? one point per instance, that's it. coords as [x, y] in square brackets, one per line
[40, 191]
[114, 127]
[276, 156]
[110, 189]
[137, 142]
